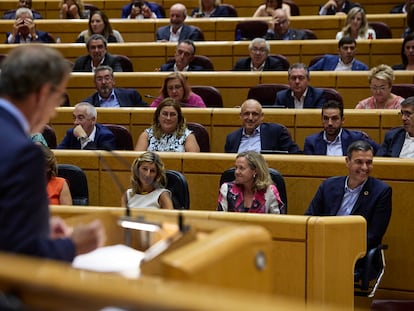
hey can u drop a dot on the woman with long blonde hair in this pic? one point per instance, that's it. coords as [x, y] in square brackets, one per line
[356, 26]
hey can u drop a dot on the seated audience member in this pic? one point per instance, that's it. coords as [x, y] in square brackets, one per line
[98, 56]
[168, 131]
[57, 187]
[27, 228]
[211, 8]
[399, 142]
[256, 135]
[86, 133]
[259, 59]
[333, 7]
[100, 24]
[402, 8]
[279, 28]
[11, 14]
[107, 95]
[38, 139]
[148, 182]
[176, 87]
[380, 80]
[252, 190]
[356, 194]
[140, 10]
[407, 54]
[71, 9]
[177, 30]
[269, 7]
[344, 61]
[152, 6]
[409, 21]
[24, 29]
[334, 140]
[300, 94]
[184, 55]
[356, 26]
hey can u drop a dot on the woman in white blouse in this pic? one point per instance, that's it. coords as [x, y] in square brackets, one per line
[356, 26]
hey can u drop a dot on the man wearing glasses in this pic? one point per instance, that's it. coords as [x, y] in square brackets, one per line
[259, 59]
[279, 28]
[399, 142]
[299, 94]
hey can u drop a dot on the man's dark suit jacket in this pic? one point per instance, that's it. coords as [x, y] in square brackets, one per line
[294, 34]
[316, 145]
[11, 14]
[187, 32]
[126, 98]
[219, 11]
[271, 64]
[170, 67]
[155, 8]
[374, 204]
[104, 139]
[329, 62]
[24, 205]
[83, 63]
[348, 5]
[273, 136]
[397, 9]
[42, 37]
[393, 143]
[314, 98]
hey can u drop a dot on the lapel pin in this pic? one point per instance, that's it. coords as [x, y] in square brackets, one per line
[366, 192]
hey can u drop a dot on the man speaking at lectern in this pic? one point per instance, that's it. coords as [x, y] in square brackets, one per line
[33, 81]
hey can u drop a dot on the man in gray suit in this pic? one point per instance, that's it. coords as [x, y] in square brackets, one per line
[279, 28]
[177, 30]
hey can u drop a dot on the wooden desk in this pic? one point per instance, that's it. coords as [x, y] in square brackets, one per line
[303, 175]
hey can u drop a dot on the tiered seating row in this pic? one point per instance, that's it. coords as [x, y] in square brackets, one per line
[214, 29]
[50, 8]
[303, 174]
[220, 122]
[234, 86]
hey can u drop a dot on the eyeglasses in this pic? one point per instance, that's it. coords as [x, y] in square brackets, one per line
[105, 78]
[405, 113]
[257, 50]
[167, 114]
[174, 87]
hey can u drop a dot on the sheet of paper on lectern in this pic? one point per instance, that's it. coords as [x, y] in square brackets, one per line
[115, 258]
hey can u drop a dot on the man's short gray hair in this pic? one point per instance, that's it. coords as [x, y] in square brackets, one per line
[22, 11]
[259, 40]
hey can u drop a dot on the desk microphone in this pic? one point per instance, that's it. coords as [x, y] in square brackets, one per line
[150, 96]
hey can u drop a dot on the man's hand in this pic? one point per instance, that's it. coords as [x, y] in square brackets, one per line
[88, 237]
[79, 132]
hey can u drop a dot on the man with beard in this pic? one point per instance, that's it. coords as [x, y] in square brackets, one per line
[256, 135]
[334, 140]
[344, 61]
[107, 95]
[98, 55]
[399, 141]
[259, 59]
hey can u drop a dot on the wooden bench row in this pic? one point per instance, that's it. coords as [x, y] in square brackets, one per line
[148, 56]
[234, 86]
[221, 121]
[50, 8]
[214, 29]
[303, 175]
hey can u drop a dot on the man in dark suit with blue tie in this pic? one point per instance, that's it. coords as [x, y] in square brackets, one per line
[299, 94]
[256, 135]
[87, 134]
[178, 30]
[399, 141]
[32, 83]
[109, 96]
[334, 139]
[356, 194]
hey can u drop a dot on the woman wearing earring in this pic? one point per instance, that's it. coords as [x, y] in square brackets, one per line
[148, 182]
[253, 190]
